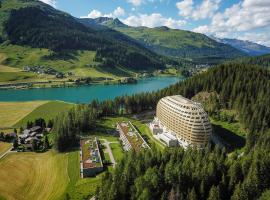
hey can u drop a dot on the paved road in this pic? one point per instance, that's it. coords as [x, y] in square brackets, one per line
[4, 154]
[109, 150]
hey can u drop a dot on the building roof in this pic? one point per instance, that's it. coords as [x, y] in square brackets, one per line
[35, 128]
[178, 100]
[167, 137]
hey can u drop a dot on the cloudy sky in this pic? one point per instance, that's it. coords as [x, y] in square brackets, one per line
[242, 19]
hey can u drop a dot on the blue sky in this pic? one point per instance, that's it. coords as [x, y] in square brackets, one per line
[242, 19]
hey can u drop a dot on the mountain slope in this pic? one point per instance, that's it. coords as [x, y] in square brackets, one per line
[251, 48]
[175, 43]
[35, 24]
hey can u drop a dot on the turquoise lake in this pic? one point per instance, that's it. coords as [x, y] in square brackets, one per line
[85, 94]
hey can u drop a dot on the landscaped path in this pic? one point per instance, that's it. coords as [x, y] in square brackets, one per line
[109, 150]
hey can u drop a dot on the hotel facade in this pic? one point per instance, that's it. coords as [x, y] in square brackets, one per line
[184, 119]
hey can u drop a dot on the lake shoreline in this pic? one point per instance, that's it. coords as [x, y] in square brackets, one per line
[87, 93]
[67, 84]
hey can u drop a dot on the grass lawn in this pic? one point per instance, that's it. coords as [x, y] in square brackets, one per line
[147, 135]
[117, 151]
[12, 112]
[4, 146]
[47, 111]
[33, 176]
[108, 137]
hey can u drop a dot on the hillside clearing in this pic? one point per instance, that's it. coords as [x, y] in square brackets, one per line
[4, 68]
[33, 176]
[12, 112]
[47, 111]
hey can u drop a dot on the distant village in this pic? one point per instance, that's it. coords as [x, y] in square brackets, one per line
[44, 70]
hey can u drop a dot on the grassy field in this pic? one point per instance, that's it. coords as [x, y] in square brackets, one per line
[14, 76]
[43, 176]
[81, 63]
[117, 151]
[12, 112]
[4, 147]
[4, 68]
[33, 176]
[47, 111]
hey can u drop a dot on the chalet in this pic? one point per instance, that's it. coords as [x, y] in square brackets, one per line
[34, 133]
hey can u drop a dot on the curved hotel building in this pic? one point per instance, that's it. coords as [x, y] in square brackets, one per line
[184, 119]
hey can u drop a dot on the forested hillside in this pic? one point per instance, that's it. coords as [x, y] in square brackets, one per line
[263, 61]
[35, 24]
[191, 174]
[176, 174]
[175, 43]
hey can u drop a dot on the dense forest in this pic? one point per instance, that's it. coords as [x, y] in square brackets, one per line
[263, 60]
[176, 174]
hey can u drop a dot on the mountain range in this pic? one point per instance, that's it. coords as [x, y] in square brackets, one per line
[251, 48]
[173, 43]
[36, 25]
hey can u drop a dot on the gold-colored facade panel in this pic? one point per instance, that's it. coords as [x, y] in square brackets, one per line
[186, 118]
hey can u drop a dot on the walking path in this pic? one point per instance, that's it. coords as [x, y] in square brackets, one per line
[4, 154]
[109, 150]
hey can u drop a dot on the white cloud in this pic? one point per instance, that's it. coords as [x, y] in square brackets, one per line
[118, 12]
[50, 2]
[248, 19]
[204, 10]
[153, 20]
[185, 8]
[136, 2]
[94, 14]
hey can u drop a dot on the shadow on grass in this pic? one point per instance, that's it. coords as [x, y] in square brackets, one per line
[232, 141]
